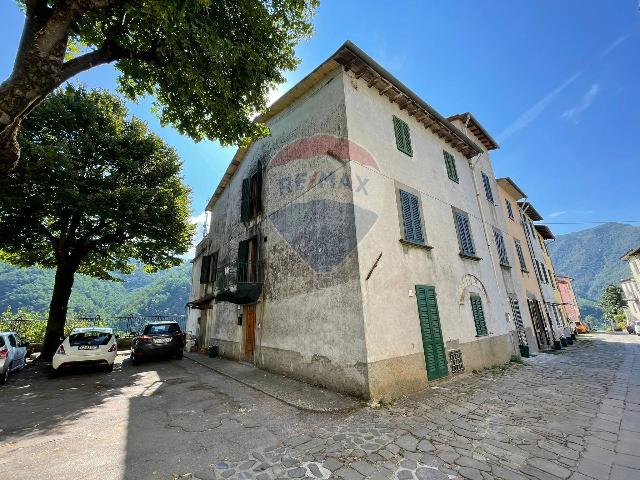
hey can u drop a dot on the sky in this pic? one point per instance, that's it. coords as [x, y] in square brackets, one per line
[555, 82]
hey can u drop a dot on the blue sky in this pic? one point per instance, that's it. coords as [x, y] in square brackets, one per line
[554, 82]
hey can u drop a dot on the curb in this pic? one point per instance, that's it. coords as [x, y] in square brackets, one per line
[283, 400]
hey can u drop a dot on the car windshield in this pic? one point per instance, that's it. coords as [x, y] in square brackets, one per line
[1, 341]
[161, 328]
[89, 338]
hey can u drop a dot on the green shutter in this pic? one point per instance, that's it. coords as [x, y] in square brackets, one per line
[245, 204]
[464, 233]
[434, 352]
[410, 205]
[450, 164]
[487, 187]
[502, 251]
[478, 315]
[523, 265]
[403, 137]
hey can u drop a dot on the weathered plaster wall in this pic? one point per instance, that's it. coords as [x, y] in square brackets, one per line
[392, 326]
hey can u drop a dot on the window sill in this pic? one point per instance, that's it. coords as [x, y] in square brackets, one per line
[503, 265]
[470, 257]
[424, 246]
[524, 270]
[483, 335]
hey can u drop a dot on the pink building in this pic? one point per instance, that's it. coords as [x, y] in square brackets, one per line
[570, 303]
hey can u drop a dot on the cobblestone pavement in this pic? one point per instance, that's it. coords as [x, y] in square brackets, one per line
[574, 415]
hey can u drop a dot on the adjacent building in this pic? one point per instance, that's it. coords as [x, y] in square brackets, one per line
[568, 296]
[362, 246]
[631, 286]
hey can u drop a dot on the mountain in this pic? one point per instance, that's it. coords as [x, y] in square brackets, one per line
[592, 257]
[139, 293]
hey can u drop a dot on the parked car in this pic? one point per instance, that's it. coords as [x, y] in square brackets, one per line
[637, 327]
[580, 328]
[631, 328]
[13, 354]
[86, 347]
[158, 339]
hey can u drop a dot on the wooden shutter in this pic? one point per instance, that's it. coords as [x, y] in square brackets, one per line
[433, 344]
[509, 209]
[502, 251]
[245, 204]
[411, 219]
[478, 315]
[243, 255]
[213, 267]
[258, 198]
[523, 265]
[204, 269]
[450, 163]
[403, 137]
[487, 187]
[464, 233]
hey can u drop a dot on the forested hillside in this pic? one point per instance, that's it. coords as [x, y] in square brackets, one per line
[139, 293]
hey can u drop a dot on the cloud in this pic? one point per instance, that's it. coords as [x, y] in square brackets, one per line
[587, 99]
[199, 219]
[571, 212]
[557, 214]
[534, 112]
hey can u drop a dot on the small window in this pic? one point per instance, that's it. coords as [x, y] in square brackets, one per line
[523, 265]
[450, 164]
[251, 203]
[247, 271]
[487, 187]
[463, 229]
[509, 210]
[410, 205]
[478, 315]
[502, 251]
[403, 139]
[209, 268]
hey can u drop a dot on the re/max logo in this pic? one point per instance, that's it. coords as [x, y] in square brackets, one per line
[304, 180]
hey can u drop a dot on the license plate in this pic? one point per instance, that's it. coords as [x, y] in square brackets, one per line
[161, 340]
[88, 347]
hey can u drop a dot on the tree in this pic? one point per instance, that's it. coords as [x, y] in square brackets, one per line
[612, 301]
[93, 191]
[209, 63]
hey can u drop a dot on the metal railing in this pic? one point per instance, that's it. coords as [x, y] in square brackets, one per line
[233, 274]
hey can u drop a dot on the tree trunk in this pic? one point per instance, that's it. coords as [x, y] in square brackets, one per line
[58, 309]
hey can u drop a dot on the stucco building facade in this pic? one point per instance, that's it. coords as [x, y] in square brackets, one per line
[362, 245]
[569, 300]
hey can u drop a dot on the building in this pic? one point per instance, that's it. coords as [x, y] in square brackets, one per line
[361, 245]
[568, 296]
[631, 286]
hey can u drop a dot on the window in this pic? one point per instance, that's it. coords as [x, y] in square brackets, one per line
[478, 315]
[509, 210]
[412, 223]
[251, 203]
[502, 251]
[403, 139]
[450, 163]
[161, 328]
[209, 268]
[248, 261]
[517, 318]
[463, 228]
[523, 265]
[487, 187]
[92, 338]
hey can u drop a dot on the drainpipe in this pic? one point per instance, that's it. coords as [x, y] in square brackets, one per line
[472, 165]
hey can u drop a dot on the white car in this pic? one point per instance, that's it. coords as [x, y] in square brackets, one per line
[13, 354]
[89, 346]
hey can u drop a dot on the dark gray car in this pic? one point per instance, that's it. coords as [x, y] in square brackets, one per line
[158, 340]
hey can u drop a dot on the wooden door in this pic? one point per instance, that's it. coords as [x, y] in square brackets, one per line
[432, 342]
[249, 330]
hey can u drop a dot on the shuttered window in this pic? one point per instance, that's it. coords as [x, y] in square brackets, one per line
[410, 205]
[478, 315]
[502, 250]
[432, 341]
[204, 268]
[251, 203]
[403, 139]
[517, 318]
[450, 164]
[523, 265]
[463, 228]
[487, 187]
[509, 210]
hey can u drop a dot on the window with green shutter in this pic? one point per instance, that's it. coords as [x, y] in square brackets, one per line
[450, 164]
[502, 250]
[478, 315]
[487, 188]
[509, 209]
[432, 341]
[463, 228]
[523, 264]
[403, 139]
[410, 206]
[205, 269]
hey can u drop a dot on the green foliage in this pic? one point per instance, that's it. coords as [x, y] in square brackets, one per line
[93, 188]
[612, 301]
[592, 257]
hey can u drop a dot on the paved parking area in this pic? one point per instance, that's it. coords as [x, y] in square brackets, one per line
[573, 415]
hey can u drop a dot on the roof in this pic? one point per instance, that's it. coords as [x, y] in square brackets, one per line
[92, 329]
[631, 253]
[511, 188]
[476, 128]
[545, 232]
[351, 58]
[529, 211]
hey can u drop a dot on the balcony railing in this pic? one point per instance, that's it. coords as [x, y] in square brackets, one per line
[238, 282]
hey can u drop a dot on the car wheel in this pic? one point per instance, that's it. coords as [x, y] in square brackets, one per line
[110, 368]
[5, 375]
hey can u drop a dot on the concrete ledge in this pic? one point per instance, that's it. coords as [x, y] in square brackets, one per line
[292, 392]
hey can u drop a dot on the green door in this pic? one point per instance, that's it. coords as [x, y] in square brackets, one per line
[434, 355]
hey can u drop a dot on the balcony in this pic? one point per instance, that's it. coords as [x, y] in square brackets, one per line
[239, 283]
